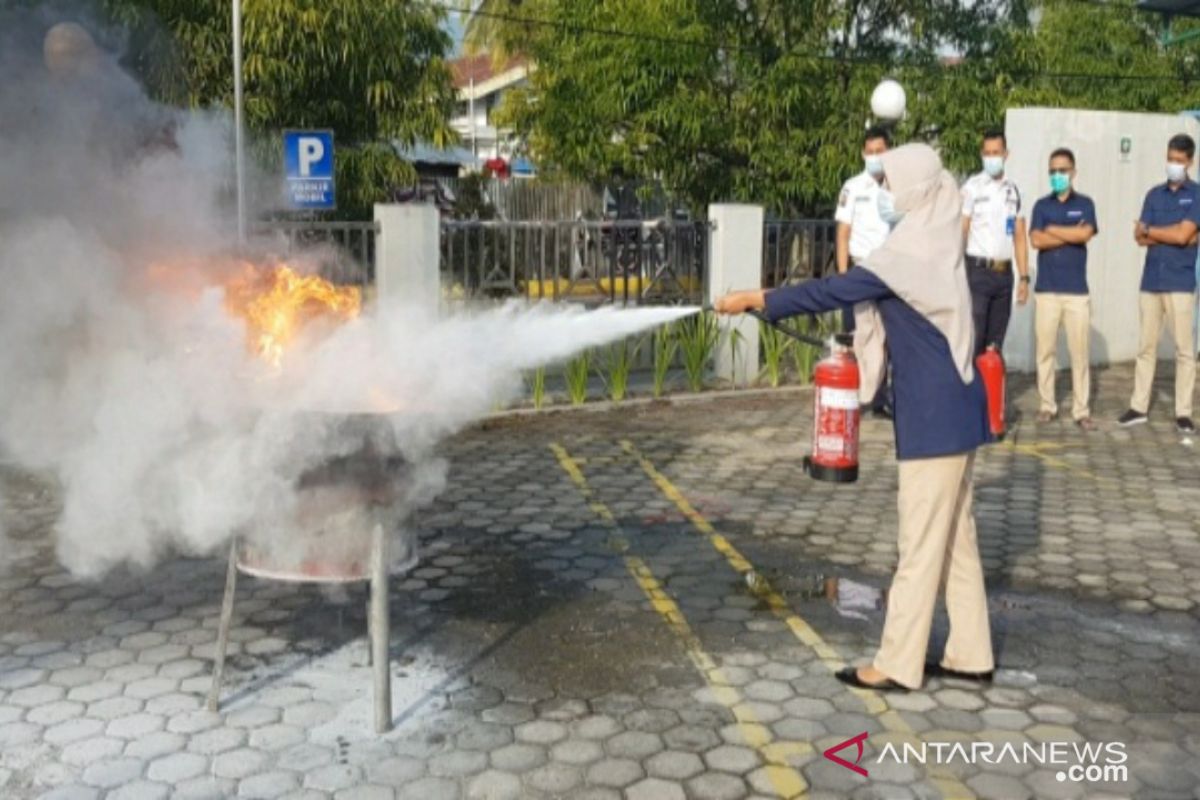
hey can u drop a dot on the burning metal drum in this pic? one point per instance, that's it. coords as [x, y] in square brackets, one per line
[326, 536]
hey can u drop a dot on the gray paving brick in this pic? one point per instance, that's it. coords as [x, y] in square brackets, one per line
[134, 726]
[554, 779]
[267, 785]
[717, 786]
[176, 767]
[139, 790]
[205, 788]
[72, 730]
[155, 744]
[366, 793]
[674, 765]
[430, 789]
[999, 787]
[518, 757]
[113, 772]
[457, 764]
[239, 763]
[614, 772]
[635, 745]
[88, 751]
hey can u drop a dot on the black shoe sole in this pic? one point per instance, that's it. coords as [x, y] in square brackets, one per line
[1132, 422]
[938, 671]
[849, 676]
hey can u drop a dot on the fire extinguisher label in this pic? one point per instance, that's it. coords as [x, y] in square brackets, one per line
[845, 399]
[831, 445]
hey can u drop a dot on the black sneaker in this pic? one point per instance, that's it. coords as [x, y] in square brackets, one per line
[1131, 417]
[1184, 425]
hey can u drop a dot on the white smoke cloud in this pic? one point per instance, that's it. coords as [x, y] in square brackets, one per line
[122, 373]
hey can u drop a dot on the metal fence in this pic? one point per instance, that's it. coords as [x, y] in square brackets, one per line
[343, 251]
[638, 262]
[798, 249]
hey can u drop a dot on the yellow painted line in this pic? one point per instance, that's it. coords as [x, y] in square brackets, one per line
[785, 779]
[1037, 450]
[946, 783]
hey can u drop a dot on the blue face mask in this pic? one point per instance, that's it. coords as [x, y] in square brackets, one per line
[874, 165]
[1059, 182]
[887, 208]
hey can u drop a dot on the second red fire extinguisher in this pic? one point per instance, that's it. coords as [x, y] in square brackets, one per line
[991, 369]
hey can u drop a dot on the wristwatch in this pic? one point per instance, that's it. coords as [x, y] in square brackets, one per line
[1024, 279]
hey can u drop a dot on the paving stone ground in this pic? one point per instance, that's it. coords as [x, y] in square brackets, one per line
[539, 651]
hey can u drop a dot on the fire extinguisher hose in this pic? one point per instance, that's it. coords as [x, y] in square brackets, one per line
[800, 337]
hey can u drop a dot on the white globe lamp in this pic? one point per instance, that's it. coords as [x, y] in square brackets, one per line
[888, 101]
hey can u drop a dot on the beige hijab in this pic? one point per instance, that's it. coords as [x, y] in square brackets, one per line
[921, 262]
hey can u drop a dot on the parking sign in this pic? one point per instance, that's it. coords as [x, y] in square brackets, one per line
[308, 167]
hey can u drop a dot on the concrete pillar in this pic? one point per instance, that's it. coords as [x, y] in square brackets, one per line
[735, 257]
[408, 255]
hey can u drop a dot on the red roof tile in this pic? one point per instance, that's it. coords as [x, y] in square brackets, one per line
[480, 68]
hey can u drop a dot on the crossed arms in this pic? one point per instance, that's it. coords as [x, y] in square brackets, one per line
[1181, 234]
[1052, 236]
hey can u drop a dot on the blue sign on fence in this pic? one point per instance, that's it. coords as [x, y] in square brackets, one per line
[308, 167]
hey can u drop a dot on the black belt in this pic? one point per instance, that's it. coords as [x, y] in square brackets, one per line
[1001, 265]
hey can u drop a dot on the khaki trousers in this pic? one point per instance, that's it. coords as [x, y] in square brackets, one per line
[937, 546]
[1073, 312]
[1178, 308]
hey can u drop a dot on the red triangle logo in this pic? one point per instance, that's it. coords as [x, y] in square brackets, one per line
[856, 740]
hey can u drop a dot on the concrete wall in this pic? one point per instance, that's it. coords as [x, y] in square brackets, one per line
[1117, 183]
[735, 247]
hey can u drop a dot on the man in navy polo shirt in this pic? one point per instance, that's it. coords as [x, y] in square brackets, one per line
[1062, 224]
[1167, 229]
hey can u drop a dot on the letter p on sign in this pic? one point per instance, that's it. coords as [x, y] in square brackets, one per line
[311, 151]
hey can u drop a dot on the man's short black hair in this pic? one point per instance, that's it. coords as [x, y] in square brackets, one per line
[1063, 152]
[995, 133]
[1182, 143]
[877, 133]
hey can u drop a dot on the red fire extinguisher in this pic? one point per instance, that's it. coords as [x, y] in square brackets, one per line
[991, 368]
[836, 412]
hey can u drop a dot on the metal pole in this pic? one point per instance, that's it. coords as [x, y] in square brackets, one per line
[214, 693]
[239, 143]
[471, 115]
[380, 629]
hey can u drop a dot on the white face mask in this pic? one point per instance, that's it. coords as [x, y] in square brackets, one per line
[887, 208]
[1176, 173]
[993, 165]
[874, 165]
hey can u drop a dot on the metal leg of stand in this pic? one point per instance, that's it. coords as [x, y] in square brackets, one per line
[379, 627]
[214, 693]
[370, 628]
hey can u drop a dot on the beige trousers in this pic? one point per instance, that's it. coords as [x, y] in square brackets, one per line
[937, 546]
[1073, 312]
[1178, 308]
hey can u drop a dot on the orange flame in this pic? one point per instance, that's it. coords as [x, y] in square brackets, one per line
[277, 303]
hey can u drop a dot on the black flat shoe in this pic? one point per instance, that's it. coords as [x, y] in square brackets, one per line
[933, 670]
[849, 676]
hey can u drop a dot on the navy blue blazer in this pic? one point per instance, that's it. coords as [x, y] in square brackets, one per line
[936, 413]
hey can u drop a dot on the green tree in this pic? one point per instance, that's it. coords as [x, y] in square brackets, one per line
[372, 70]
[741, 99]
[765, 100]
[1117, 44]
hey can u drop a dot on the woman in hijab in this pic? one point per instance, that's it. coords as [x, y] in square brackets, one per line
[913, 292]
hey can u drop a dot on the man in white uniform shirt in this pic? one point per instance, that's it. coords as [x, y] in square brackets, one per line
[994, 230]
[860, 229]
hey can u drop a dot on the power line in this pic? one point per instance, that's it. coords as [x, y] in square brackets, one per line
[851, 61]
